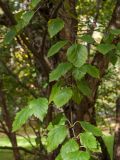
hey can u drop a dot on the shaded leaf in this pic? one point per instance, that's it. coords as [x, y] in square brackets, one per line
[77, 96]
[10, 35]
[87, 38]
[84, 88]
[91, 128]
[115, 31]
[77, 55]
[61, 70]
[105, 48]
[34, 3]
[26, 17]
[55, 26]
[79, 73]
[92, 70]
[56, 47]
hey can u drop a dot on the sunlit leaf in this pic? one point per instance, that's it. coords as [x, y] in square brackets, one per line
[88, 140]
[55, 137]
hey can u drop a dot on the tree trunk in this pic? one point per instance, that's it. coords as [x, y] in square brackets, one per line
[117, 132]
[8, 122]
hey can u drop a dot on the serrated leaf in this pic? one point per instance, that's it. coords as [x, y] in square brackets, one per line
[55, 26]
[55, 137]
[77, 155]
[92, 70]
[68, 147]
[105, 48]
[88, 140]
[21, 118]
[62, 97]
[61, 70]
[91, 128]
[34, 3]
[56, 47]
[84, 88]
[37, 107]
[87, 38]
[77, 55]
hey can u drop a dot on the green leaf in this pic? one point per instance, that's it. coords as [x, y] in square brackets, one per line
[55, 137]
[21, 118]
[55, 26]
[91, 128]
[34, 3]
[88, 140]
[58, 157]
[54, 92]
[62, 97]
[77, 155]
[109, 142]
[24, 21]
[118, 46]
[77, 55]
[105, 48]
[60, 119]
[84, 88]
[112, 57]
[68, 147]
[26, 17]
[79, 73]
[77, 96]
[56, 47]
[115, 31]
[87, 38]
[61, 70]
[10, 35]
[39, 107]
[92, 70]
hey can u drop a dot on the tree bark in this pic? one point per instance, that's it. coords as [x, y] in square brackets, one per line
[116, 153]
[8, 121]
